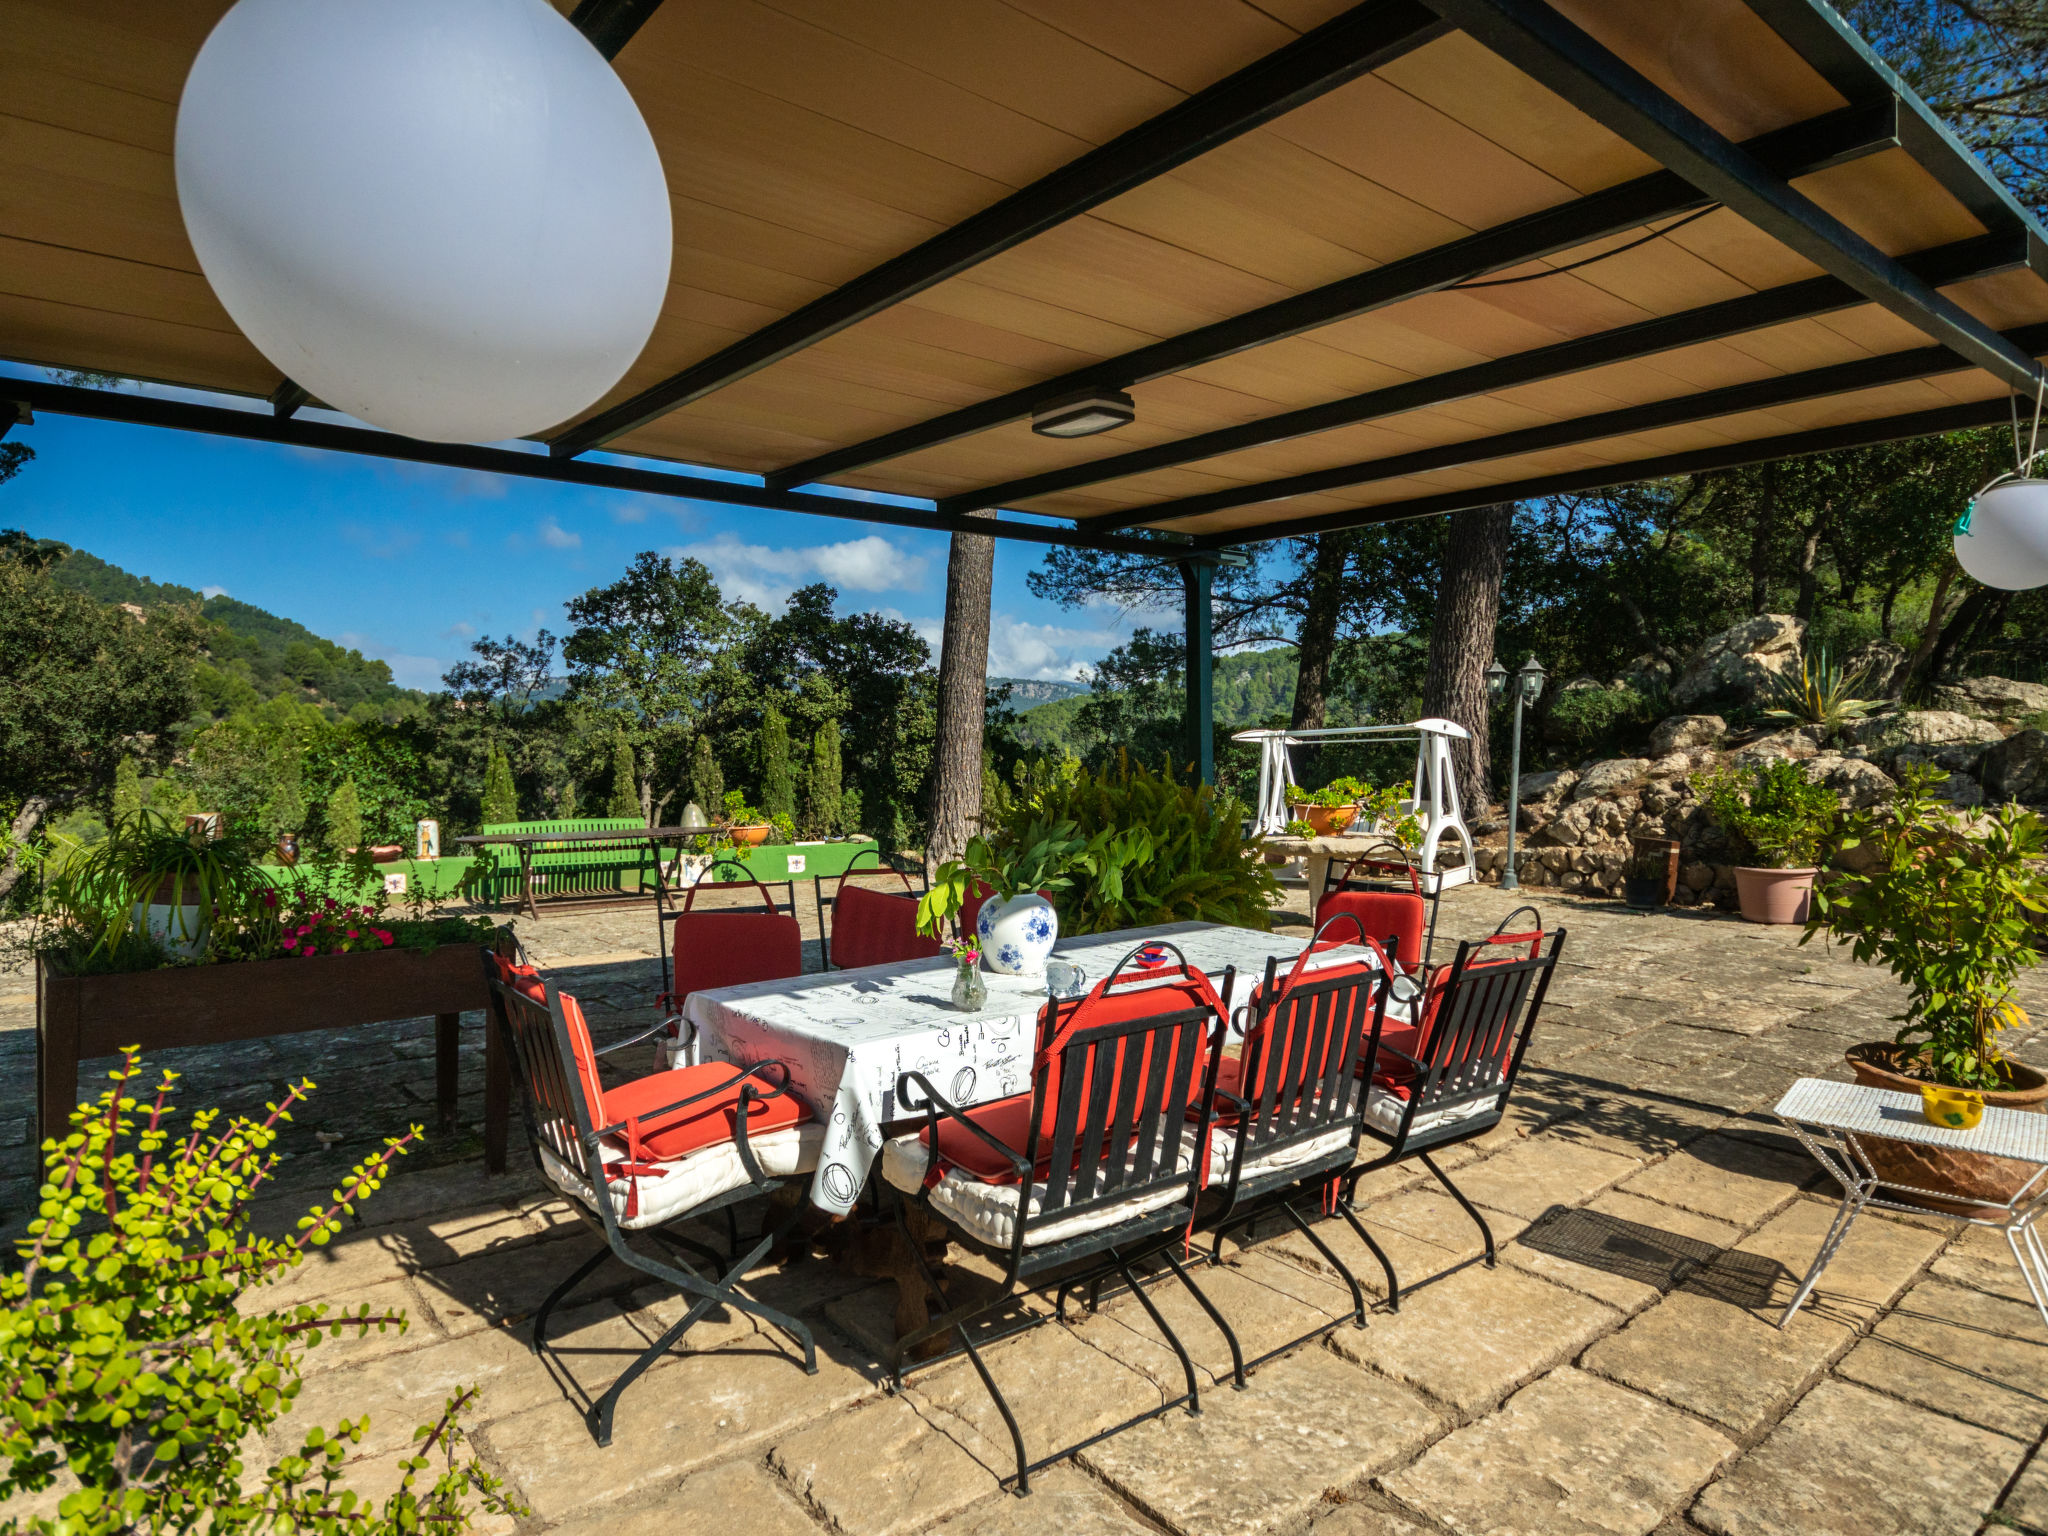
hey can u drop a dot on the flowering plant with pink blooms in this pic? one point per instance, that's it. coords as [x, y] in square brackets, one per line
[313, 924]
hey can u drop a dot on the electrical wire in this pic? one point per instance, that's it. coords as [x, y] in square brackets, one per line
[1530, 277]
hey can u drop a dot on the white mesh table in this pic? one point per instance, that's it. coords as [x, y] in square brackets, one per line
[1831, 1120]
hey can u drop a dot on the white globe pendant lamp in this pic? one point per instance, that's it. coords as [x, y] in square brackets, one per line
[2003, 539]
[444, 217]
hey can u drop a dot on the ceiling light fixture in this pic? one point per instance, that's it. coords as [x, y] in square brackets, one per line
[1084, 414]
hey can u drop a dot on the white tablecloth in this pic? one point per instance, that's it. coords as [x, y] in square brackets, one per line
[848, 1035]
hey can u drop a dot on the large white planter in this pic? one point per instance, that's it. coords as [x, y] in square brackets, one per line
[1017, 935]
[178, 929]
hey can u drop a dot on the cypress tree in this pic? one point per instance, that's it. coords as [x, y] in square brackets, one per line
[344, 818]
[707, 784]
[285, 810]
[625, 800]
[778, 792]
[501, 795]
[824, 811]
[127, 788]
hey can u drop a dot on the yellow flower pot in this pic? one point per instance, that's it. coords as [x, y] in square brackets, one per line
[1958, 1109]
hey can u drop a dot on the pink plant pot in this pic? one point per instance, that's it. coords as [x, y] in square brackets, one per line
[1774, 895]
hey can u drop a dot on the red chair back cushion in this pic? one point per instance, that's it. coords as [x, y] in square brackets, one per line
[1400, 915]
[876, 928]
[725, 949]
[707, 1122]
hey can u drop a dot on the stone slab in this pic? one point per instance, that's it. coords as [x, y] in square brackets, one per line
[736, 1499]
[1569, 1453]
[1625, 1251]
[1263, 1316]
[1063, 1502]
[1976, 1357]
[1981, 1259]
[880, 1470]
[1543, 1171]
[1474, 1337]
[1847, 1462]
[1262, 1460]
[2026, 1507]
[1727, 1178]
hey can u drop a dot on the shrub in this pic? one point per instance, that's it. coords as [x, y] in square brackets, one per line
[707, 784]
[625, 795]
[131, 1356]
[1776, 808]
[127, 788]
[501, 795]
[1593, 722]
[823, 811]
[1953, 910]
[344, 818]
[778, 789]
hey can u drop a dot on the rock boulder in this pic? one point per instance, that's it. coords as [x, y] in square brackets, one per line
[1998, 697]
[1738, 665]
[2017, 768]
[1545, 788]
[1796, 744]
[1856, 783]
[1606, 778]
[1921, 728]
[1686, 733]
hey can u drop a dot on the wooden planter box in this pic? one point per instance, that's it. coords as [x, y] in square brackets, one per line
[81, 1017]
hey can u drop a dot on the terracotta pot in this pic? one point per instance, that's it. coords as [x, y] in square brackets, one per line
[1326, 820]
[749, 837]
[1971, 1175]
[1774, 895]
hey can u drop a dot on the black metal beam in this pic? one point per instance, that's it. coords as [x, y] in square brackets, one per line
[1754, 394]
[263, 426]
[1954, 263]
[610, 24]
[1334, 54]
[1544, 45]
[286, 399]
[1798, 150]
[1761, 450]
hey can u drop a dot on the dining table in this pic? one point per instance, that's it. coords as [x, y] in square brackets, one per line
[846, 1037]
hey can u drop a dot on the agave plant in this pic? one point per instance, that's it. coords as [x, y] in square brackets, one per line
[107, 889]
[1821, 693]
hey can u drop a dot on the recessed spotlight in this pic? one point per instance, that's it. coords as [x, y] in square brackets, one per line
[1084, 414]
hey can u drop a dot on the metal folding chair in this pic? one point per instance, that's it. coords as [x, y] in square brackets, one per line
[1452, 1083]
[1288, 1108]
[870, 927]
[1099, 1166]
[636, 1160]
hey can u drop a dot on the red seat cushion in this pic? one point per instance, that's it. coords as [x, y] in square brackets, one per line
[876, 928]
[725, 949]
[1008, 1120]
[705, 1123]
[1396, 915]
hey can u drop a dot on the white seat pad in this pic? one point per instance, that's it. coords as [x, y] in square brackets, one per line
[988, 1212]
[1223, 1147]
[687, 1182]
[1385, 1110]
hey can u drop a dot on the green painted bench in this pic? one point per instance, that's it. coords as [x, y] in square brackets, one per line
[566, 869]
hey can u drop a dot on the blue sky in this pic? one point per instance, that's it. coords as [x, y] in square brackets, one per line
[408, 562]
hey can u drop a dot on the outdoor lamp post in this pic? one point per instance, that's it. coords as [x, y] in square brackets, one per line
[1528, 688]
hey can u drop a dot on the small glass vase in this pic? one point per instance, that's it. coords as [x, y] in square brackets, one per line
[970, 992]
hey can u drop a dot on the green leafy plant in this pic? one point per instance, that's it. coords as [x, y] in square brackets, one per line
[823, 806]
[344, 818]
[1300, 828]
[501, 795]
[1819, 694]
[101, 895]
[778, 786]
[1784, 816]
[740, 814]
[1952, 907]
[135, 1354]
[625, 792]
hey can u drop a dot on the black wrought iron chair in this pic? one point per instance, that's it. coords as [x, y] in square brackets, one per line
[859, 926]
[1449, 1080]
[632, 1161]
[1288, 1107]
[1100, 1166]
[1386, 892]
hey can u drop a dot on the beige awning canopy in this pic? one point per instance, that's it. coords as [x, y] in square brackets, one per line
[1349, 262]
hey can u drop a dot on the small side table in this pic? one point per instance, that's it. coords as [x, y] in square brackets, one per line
[1828, 1118]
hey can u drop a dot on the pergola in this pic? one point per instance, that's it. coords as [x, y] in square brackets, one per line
[1350, 263]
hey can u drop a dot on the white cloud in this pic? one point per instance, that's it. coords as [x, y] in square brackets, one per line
[555, 536]
[406, 670]
[767, 576]
[458, 631]
[1045, 652]
[213, 591]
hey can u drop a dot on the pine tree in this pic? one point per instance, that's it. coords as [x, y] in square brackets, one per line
[127, 788]
[501, 795]
[285, 810]
[707, 784]
[344, 818]
[778, 793]
[625, 800]
[824, 810]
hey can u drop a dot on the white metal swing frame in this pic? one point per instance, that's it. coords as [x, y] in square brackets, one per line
[1434, 797]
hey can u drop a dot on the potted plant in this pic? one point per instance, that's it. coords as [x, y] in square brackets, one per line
[1329, 810]
[1785, 818]
[1018, 924]
[744, 826]
[1951, 905]
[153, 882]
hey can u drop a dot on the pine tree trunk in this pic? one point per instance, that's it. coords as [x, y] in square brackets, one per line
[1317, 647]
[1461, 641]
[963, 697]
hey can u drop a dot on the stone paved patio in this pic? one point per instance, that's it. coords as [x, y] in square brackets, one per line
[1618, 1374]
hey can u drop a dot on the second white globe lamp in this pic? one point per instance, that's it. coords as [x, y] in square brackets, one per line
[2004, 540]
[444, 217]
